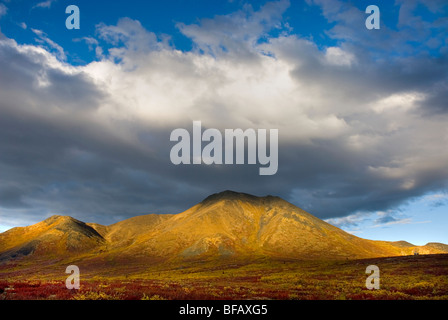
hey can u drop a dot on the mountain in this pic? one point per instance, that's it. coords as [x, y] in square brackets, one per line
[55, 236]
[431, 248]
[224, 225]
[126, 232]
[236, 224]
[437, 246]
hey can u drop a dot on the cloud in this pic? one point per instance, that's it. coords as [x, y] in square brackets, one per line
[392, 222]
[44, 4]
[419, 30]
[386, 219]
[356, 222]
[236, 33]
[337, 56]
[93, 45]
[351, 221]
[436, 200]
[358, 132]
[3, 10]
[43, 39]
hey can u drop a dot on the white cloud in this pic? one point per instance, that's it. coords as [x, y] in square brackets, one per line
[43, 39]
[236, 33]
[167, 86]
[390, 223]
[398, 102]
[337, 56]
[93, 45]
[356, 223]
[350, 221]
[3, 10]
[44, 4]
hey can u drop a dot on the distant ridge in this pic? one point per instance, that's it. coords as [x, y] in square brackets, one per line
[224, 225]
[402, 244]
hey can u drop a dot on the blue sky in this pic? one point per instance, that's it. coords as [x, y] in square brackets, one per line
[85, 115]
[160, 17]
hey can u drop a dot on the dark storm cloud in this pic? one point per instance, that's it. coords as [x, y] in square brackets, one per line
[54, 154]
[331, 181]
[32, 72]
[57, 157]
[437, 99]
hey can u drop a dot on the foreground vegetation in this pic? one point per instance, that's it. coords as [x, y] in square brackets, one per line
[403, 278]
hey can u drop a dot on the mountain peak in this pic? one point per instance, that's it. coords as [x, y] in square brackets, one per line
[233, 195]
[59, 219]
[403, 244]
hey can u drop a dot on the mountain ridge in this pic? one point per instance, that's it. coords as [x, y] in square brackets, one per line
[224, 225]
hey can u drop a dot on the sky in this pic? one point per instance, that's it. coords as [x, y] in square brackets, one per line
[86, 115]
